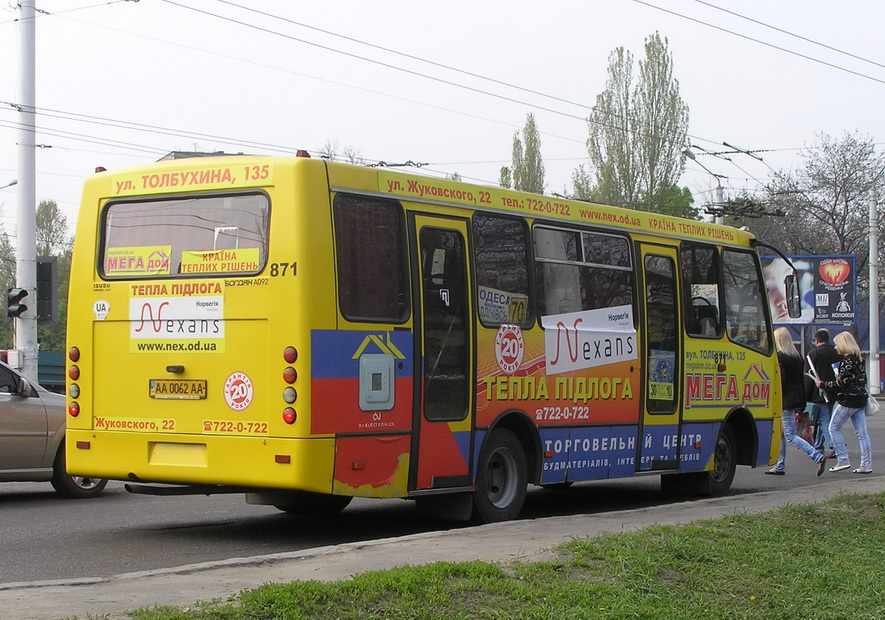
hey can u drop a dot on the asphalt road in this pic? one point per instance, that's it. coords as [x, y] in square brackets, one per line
[47, 538]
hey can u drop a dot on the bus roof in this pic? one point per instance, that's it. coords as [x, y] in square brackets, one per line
[230, 172]
[344, 177]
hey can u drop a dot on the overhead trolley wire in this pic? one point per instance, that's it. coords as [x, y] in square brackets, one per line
[636, 131]
[761, 42]
[160, 130]
[372, 61]
[792, 34]
[409, 56]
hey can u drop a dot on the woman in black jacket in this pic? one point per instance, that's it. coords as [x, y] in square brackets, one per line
[851, 400]
[793, 390]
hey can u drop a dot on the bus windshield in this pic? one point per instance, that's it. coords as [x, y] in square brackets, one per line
[207, 236]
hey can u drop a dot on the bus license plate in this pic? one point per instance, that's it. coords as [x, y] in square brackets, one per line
[181, 389]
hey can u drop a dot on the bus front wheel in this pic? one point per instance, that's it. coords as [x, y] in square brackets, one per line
[713, 483]
[501, 478]
[724, 463]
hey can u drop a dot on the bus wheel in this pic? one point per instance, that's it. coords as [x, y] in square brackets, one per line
[713, 483]
[724, 463]
[501, 478]
[313, 505]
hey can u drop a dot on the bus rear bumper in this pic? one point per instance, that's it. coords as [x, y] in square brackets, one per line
[256, 462]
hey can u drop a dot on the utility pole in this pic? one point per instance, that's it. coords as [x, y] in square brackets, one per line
[875, 386]
[25, 355]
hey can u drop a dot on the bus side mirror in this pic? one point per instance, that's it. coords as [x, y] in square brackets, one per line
[794, 303]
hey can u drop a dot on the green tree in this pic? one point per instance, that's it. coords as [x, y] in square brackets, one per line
[506, 177]
[7, 281]
[582, 184]
[612, 127]
[7, 261]
[637, 132]
[527, 170]
[661, 120]
[824, 203]
[52, 230]
[675, 200]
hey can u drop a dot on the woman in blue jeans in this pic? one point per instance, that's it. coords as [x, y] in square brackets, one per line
[851, 400]
[793, 390]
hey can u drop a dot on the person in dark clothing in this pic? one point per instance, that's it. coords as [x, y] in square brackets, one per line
[851, 400]
[820, 363]
[793, 390]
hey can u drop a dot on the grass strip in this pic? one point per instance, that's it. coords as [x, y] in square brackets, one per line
[808, 561]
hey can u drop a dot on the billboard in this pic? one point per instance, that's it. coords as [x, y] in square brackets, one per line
[827, 284]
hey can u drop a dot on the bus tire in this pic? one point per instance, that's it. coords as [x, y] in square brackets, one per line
[313, 505]
[501, 478]
[724, 463]
[712, 483]
[74, 487]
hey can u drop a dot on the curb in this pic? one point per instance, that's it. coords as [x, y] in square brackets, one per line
[497, 542]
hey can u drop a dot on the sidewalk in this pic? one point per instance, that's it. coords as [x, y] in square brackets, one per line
[524, 540]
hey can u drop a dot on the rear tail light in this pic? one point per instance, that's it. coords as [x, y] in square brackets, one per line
[290, 375]
[74, 374]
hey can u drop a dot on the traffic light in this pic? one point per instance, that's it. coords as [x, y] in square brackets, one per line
[47, 290]
[14, 305]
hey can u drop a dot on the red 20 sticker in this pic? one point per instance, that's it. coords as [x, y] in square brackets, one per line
[509, 348]
[238, 391]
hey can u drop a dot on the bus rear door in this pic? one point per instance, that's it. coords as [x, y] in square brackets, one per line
[444, 334]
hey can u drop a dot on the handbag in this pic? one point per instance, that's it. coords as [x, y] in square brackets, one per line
[803, 426]
[872, 407]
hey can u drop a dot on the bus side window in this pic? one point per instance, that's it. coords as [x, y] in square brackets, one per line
[370, 248]
[701, 288]
[580, 270]
[500, 246]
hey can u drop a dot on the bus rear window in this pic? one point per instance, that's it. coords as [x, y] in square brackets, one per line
[185, 236]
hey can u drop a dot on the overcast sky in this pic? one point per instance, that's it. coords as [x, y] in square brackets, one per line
[445, 84]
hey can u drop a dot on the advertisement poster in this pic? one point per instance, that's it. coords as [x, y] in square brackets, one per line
[827, 285]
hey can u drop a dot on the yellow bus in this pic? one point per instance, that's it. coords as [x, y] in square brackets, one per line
[306, 332]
